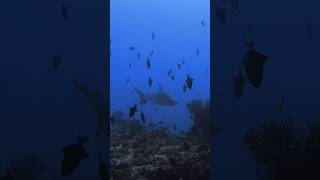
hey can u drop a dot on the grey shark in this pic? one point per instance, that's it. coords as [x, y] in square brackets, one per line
[160, 98]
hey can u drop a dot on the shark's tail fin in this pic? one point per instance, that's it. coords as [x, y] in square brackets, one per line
[143, 99]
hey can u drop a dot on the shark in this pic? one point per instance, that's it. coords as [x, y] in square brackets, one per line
[160, 98]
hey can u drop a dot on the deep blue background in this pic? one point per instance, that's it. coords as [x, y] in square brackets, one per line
[292, 71]
[40, 110]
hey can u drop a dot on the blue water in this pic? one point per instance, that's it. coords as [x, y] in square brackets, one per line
[40, 110]
[291, 71]
[177, 25]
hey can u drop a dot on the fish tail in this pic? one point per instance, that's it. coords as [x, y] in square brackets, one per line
[142, 97]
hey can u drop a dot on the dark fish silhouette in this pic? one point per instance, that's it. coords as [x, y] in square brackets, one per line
[202, 23]
[184, 88]
[151, 54]
[132, 48]
[153, 36]
[99, 105]
[73, 154]
[127, 80]
[159, 97]
[189, 81]
[179, 66]
[254, 62]
[143, 118]
[160, 122]
[238, 84]
[56, 60]
[282, 103]
[103, 169]
[150, 82]
[133, 110]
[234, 4]
[198, 52]
[183, 62]
[309, 28]
[169, 72]
[138, 55]
[7, 176]
[148, 63]
[64, 11]
[172, 77]
[130, 65]
[174, 127]
[221, 14]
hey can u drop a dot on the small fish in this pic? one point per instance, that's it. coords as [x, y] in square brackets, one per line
[189, 81]
[150, 82]
[234, 4]
[148, 63]
[64, 11]
[138, 55]
[238, 84]
[73, 154]
[198, 52]
[254, 62]
[179, 66]
[132, 48]
[153, 36]
[202, 23]
[160, 122]
[169, 72]
[172, 77]
[184, 88]
[127, 80]
[133, 110]
[143, 118]
[174, 127]
[56, 60]
[130, 65]
[221, 14]
[103, 169]
[151, 54]
[183, 62]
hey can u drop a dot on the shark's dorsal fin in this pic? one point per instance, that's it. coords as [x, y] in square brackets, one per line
[160, 88]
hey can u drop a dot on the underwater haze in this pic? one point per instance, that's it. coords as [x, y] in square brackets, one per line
[173, 31]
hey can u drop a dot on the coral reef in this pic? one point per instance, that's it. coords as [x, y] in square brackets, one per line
[283, 150]
[139, 153]
[201, 118]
